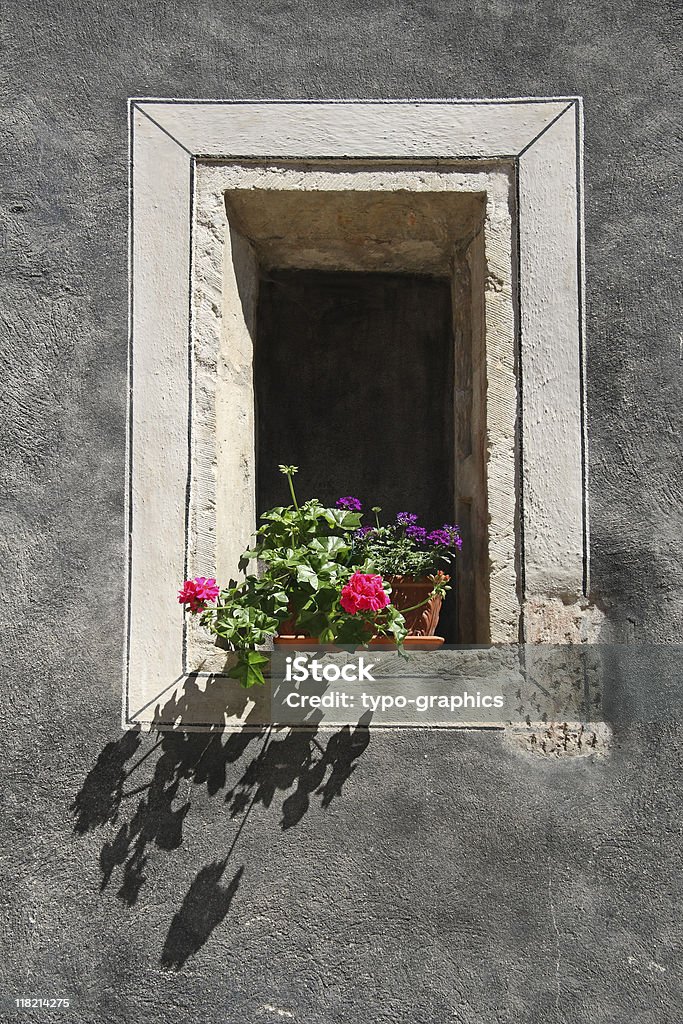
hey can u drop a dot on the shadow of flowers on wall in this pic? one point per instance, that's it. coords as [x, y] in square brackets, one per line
[204, 907]
[299, 765]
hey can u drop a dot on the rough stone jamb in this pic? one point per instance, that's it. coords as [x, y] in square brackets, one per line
[554, 502]
[501, 420]
[224, 297]
[207, 316]
[157, 443]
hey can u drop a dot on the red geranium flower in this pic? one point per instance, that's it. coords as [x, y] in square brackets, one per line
[364, 593]
[197, 592]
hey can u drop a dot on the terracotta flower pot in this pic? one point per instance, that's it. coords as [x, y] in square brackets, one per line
[288, 627]
[411, 643]
[406, 592]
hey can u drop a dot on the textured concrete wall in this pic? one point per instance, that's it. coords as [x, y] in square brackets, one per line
[447, 877]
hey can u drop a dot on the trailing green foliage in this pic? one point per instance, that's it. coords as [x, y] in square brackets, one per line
[315, 571]
[305, 555]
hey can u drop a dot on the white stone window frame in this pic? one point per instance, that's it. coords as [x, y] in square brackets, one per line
[541, 138]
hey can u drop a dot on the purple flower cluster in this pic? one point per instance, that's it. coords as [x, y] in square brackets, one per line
[349, 504]
[447, 537]
[362, 531]
[417, 533]
[406, 519]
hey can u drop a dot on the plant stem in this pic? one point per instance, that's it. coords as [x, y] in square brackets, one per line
[414, 607]
[291, 491]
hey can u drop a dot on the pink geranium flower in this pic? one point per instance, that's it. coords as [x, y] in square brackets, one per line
[197, 592]
[364, 593]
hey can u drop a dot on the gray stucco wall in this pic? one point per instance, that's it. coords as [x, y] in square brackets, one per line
[391, 877]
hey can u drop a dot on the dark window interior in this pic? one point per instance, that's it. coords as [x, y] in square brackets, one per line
[354, 384]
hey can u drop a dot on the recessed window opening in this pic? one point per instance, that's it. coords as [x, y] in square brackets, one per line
[363, 374]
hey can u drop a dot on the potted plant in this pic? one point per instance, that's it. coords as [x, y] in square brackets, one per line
[317, 577]
[413, 560]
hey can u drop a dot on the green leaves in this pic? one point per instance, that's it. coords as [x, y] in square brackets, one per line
[249, 668]
[395, 624]
[333, 547]
[305, 574]
[305, 555]
[339, 518]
